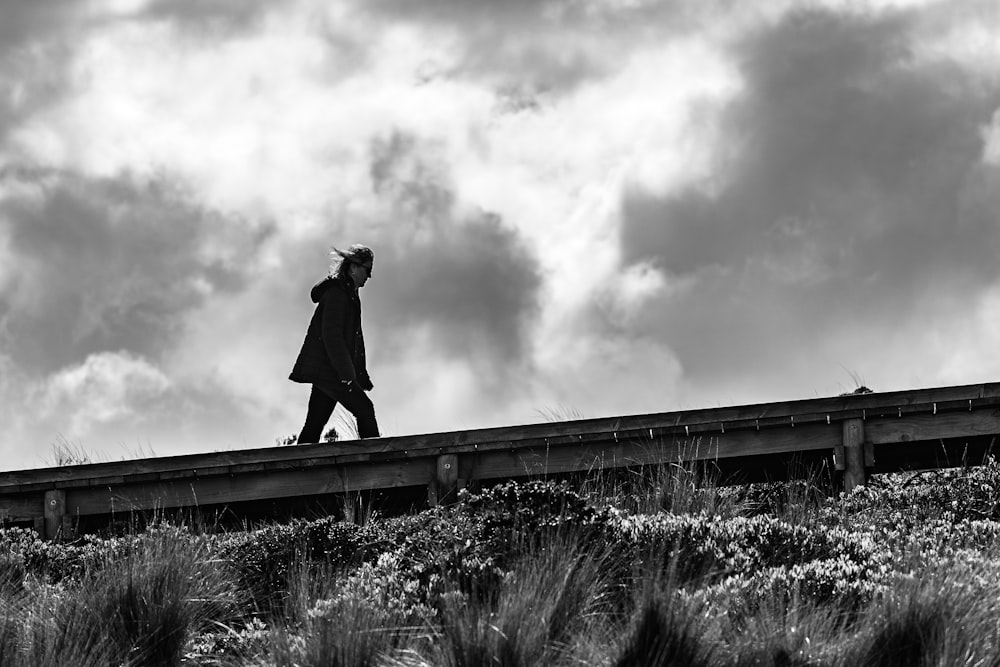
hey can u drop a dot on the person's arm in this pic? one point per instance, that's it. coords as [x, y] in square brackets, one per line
[363, 378]
[335, 305]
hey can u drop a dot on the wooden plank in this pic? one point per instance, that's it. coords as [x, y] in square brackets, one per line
[23, 508]
[594, 456]
[222, 490]
[933, 427]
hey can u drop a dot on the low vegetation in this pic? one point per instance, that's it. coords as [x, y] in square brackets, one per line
[650, 568]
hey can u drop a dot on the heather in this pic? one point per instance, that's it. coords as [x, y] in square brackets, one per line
[636, 567]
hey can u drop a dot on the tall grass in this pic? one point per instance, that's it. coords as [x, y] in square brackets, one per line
[334, 619]
[554, 607]
[139, 606]
[666, 631]
[681, 486]
[947, 613]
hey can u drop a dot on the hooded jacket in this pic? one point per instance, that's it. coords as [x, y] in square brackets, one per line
[334, 347]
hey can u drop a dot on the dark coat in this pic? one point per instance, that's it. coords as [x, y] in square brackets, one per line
[334, 347]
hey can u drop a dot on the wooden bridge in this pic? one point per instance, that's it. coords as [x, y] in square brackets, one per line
[855, 435]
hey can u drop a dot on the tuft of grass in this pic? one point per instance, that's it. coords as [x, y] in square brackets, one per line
[51, 629]
[946, 617]
[331, 621]
[678, 487]
[546, 611]
[784, 632]
[665, 631]
[560, 413]
[135, 605]
[158, 594]
[66, 453]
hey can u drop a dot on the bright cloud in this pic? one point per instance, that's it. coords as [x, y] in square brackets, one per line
[106, 387]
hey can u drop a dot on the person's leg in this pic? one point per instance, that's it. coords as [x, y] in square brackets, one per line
[357, 403]
[321, 405]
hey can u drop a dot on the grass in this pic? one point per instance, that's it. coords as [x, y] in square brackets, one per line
[645, 567]
[137, 605]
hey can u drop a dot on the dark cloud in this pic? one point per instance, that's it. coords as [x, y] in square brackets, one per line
[27, 23]
[110, 264]
[212, 16]
[466, 278]
[37, 42]
[855, 192]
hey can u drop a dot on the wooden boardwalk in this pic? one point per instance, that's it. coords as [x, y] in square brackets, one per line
[856, 434]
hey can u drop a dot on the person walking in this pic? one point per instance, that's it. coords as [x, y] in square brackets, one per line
[332, 358]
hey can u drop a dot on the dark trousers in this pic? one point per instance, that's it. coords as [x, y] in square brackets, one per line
[324, 398]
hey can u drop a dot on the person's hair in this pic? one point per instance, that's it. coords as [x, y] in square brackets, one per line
[339, 266]
[340, 261]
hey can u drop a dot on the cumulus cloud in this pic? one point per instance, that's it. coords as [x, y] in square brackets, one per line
[851, 193]
[106, 387]
[109, 264]
[27, 22]
[463, 275]
[227, 16]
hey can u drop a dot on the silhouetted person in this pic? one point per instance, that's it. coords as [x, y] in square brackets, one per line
[332, 358]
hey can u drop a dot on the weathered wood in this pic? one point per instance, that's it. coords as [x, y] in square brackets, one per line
[854, 455]
[55, 510]
[23, 508]
[934, 427]
[443, 488]
[538, 462]
[255, 486]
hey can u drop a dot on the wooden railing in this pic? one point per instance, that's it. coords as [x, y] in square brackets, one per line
[856, 434]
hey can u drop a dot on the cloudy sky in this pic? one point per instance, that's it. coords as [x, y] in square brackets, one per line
[577, 207]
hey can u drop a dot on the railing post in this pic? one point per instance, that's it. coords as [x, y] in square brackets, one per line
[443, 488]
[854, 454]
[55, 510]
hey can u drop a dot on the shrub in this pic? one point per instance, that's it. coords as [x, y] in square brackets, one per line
[264, 559]
[530, 507]
[899, 503]
[446, 546]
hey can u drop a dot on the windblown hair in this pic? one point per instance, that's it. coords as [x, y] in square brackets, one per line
[338, 263]
[338, 268]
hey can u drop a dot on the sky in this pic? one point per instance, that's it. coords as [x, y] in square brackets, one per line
[578, 208]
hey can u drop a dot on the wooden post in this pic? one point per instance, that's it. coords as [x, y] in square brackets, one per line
[443, 489]
[55, 510]
[854, 454]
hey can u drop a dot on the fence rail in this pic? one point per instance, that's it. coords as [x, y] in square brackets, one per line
[857, 434]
